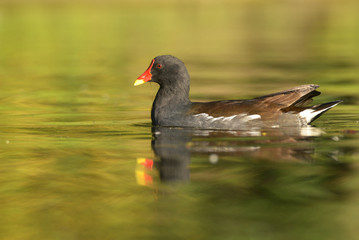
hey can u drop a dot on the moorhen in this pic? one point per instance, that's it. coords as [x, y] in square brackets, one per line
[172, 106]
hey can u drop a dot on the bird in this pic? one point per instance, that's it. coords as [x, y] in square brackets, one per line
[173, 108]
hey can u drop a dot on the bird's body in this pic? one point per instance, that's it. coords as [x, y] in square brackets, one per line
[172, 106]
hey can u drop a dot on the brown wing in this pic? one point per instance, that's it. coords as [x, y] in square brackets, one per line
[297, 96]
[268, 106]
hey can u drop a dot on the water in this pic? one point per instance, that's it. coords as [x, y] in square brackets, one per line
[78, 156]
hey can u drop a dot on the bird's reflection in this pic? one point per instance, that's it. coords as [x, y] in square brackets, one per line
[173, 148]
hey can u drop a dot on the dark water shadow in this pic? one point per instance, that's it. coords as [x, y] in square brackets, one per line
[174, 147]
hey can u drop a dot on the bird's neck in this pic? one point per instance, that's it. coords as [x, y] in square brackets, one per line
[172, 94]
[169, 102]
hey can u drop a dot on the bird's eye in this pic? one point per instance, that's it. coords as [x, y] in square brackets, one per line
[159, 66]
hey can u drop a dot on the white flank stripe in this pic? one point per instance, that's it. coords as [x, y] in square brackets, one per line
[213, 119]
[229, 118]
[243, 117]
[201, 115]
[251, 117]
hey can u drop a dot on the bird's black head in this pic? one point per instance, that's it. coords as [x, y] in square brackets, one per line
[167, 71]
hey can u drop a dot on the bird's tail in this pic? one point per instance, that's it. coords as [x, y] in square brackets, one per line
[309, 114]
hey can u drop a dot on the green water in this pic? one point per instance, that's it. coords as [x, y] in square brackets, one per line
[78, 159]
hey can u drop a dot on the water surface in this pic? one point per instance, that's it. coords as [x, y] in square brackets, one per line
[80, 160]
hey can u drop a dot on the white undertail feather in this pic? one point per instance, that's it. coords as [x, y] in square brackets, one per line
[309, 114]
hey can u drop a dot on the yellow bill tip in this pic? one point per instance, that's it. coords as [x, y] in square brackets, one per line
[138, 82]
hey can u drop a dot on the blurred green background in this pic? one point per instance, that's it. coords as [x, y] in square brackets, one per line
[72, 124]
